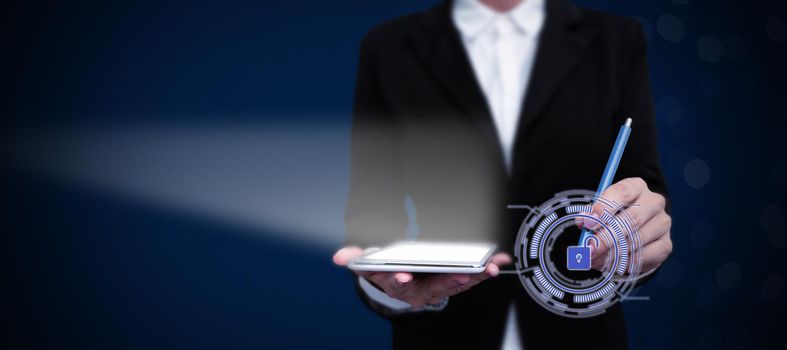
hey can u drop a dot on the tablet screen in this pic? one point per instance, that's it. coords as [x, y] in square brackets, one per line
[431, 253]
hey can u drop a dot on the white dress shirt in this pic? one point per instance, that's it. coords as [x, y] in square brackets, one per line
[502, 49]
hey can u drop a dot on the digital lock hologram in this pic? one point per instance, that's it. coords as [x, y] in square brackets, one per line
[561, 275]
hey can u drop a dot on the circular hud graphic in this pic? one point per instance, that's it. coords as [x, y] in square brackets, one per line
[549, 256]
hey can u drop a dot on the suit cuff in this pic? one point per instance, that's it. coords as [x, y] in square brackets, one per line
[393, 305]
[381, 298]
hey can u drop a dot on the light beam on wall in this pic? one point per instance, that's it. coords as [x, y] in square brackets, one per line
[289, 179]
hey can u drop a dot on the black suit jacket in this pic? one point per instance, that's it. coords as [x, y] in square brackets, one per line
[421, 127]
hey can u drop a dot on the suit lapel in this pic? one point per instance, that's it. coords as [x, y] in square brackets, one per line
[437, 43]
[562, 41]
[439, 47]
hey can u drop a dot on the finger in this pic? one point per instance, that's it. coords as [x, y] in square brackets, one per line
[398, 285]
[650, 232]
[651, 207]
[402, 278]
[379, 279]
[459, 279]
[600, 249]
[624, 192]
[346, 254]
[581, 221]
[399, 281]
[443, 285]
[396, 281]
[656, 252]
[654, 229]
[491, 270]
[598, 262]
[428, 290]
[647, 208]
[647, 218]
[600, 256]
[501, 259]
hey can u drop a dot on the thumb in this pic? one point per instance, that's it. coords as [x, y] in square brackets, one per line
[346, 254]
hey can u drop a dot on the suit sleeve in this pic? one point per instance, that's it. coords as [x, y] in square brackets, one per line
[641, 157]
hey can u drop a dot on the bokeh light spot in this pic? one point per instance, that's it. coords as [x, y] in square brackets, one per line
[696, 173]
[728, 276]
[710, 48]
[771, 217]
[670, 28]
[772, 287]
[778, 238]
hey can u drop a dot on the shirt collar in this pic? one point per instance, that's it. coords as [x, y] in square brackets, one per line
[471, 17]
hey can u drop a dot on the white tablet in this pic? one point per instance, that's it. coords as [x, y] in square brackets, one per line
[427, 257]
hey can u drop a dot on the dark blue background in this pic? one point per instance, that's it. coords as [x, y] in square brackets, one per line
[83, 269]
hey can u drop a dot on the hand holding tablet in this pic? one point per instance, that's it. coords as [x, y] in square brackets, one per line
[391, 269]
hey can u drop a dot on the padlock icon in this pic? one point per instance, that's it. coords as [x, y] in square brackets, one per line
[578, 257]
